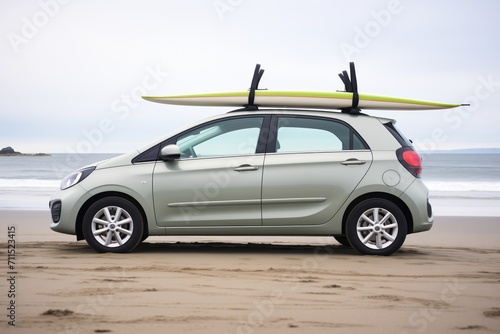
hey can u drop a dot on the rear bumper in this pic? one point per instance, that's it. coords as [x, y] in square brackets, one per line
[417, 199]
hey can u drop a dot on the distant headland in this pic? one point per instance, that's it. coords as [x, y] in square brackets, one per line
[10, 152]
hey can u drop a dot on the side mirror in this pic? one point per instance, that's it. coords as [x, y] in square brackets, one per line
[170, 153]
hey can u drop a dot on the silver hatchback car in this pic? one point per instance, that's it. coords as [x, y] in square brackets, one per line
[257, 173]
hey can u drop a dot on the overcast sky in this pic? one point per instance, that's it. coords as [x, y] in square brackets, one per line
[71, 72]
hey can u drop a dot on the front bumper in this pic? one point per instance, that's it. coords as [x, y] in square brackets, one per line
[65, 206]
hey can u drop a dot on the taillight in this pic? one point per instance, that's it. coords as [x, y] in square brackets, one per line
[410, 160]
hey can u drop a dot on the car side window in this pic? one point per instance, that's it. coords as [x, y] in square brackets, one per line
[237, 136]
[301, 134]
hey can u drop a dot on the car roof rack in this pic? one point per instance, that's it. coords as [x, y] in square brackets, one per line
[254, 85]
[351, 86]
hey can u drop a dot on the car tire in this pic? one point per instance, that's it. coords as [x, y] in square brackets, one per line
[376, 227]
[342, 239]
[113, 224]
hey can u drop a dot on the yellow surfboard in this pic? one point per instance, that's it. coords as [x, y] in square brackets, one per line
[300, 99]
[348, 101]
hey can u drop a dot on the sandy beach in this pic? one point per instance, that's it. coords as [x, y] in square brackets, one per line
[443, 281]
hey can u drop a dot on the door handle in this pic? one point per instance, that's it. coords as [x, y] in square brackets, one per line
[246, 168]
[353, 161]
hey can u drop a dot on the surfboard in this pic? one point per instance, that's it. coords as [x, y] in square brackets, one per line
[300, 99]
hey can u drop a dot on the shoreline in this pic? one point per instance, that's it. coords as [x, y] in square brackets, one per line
[16, 196]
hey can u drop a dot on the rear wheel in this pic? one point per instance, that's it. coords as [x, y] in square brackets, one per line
[376, 227]
[113, 224]
[342, 239]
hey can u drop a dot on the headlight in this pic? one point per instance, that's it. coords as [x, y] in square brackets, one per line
[76, 177]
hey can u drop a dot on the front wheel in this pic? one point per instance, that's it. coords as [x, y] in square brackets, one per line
[113, 224]
[376, 227]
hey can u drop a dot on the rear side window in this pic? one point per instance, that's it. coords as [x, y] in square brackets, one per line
[303, 134]
[397, 134]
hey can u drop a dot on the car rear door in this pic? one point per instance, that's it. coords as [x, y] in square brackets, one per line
[313, 164]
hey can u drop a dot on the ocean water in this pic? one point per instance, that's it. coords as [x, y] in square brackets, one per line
[463, 184]
[459, 184]
[28, 182]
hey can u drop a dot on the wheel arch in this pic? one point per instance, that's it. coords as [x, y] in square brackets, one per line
[93, 199]
[397, 201]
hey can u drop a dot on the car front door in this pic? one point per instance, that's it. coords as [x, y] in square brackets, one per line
[315, 165]
[217, 180]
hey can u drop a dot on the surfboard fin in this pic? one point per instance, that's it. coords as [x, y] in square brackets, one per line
[351, 86]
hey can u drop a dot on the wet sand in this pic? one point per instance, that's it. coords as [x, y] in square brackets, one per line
[446, 280]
